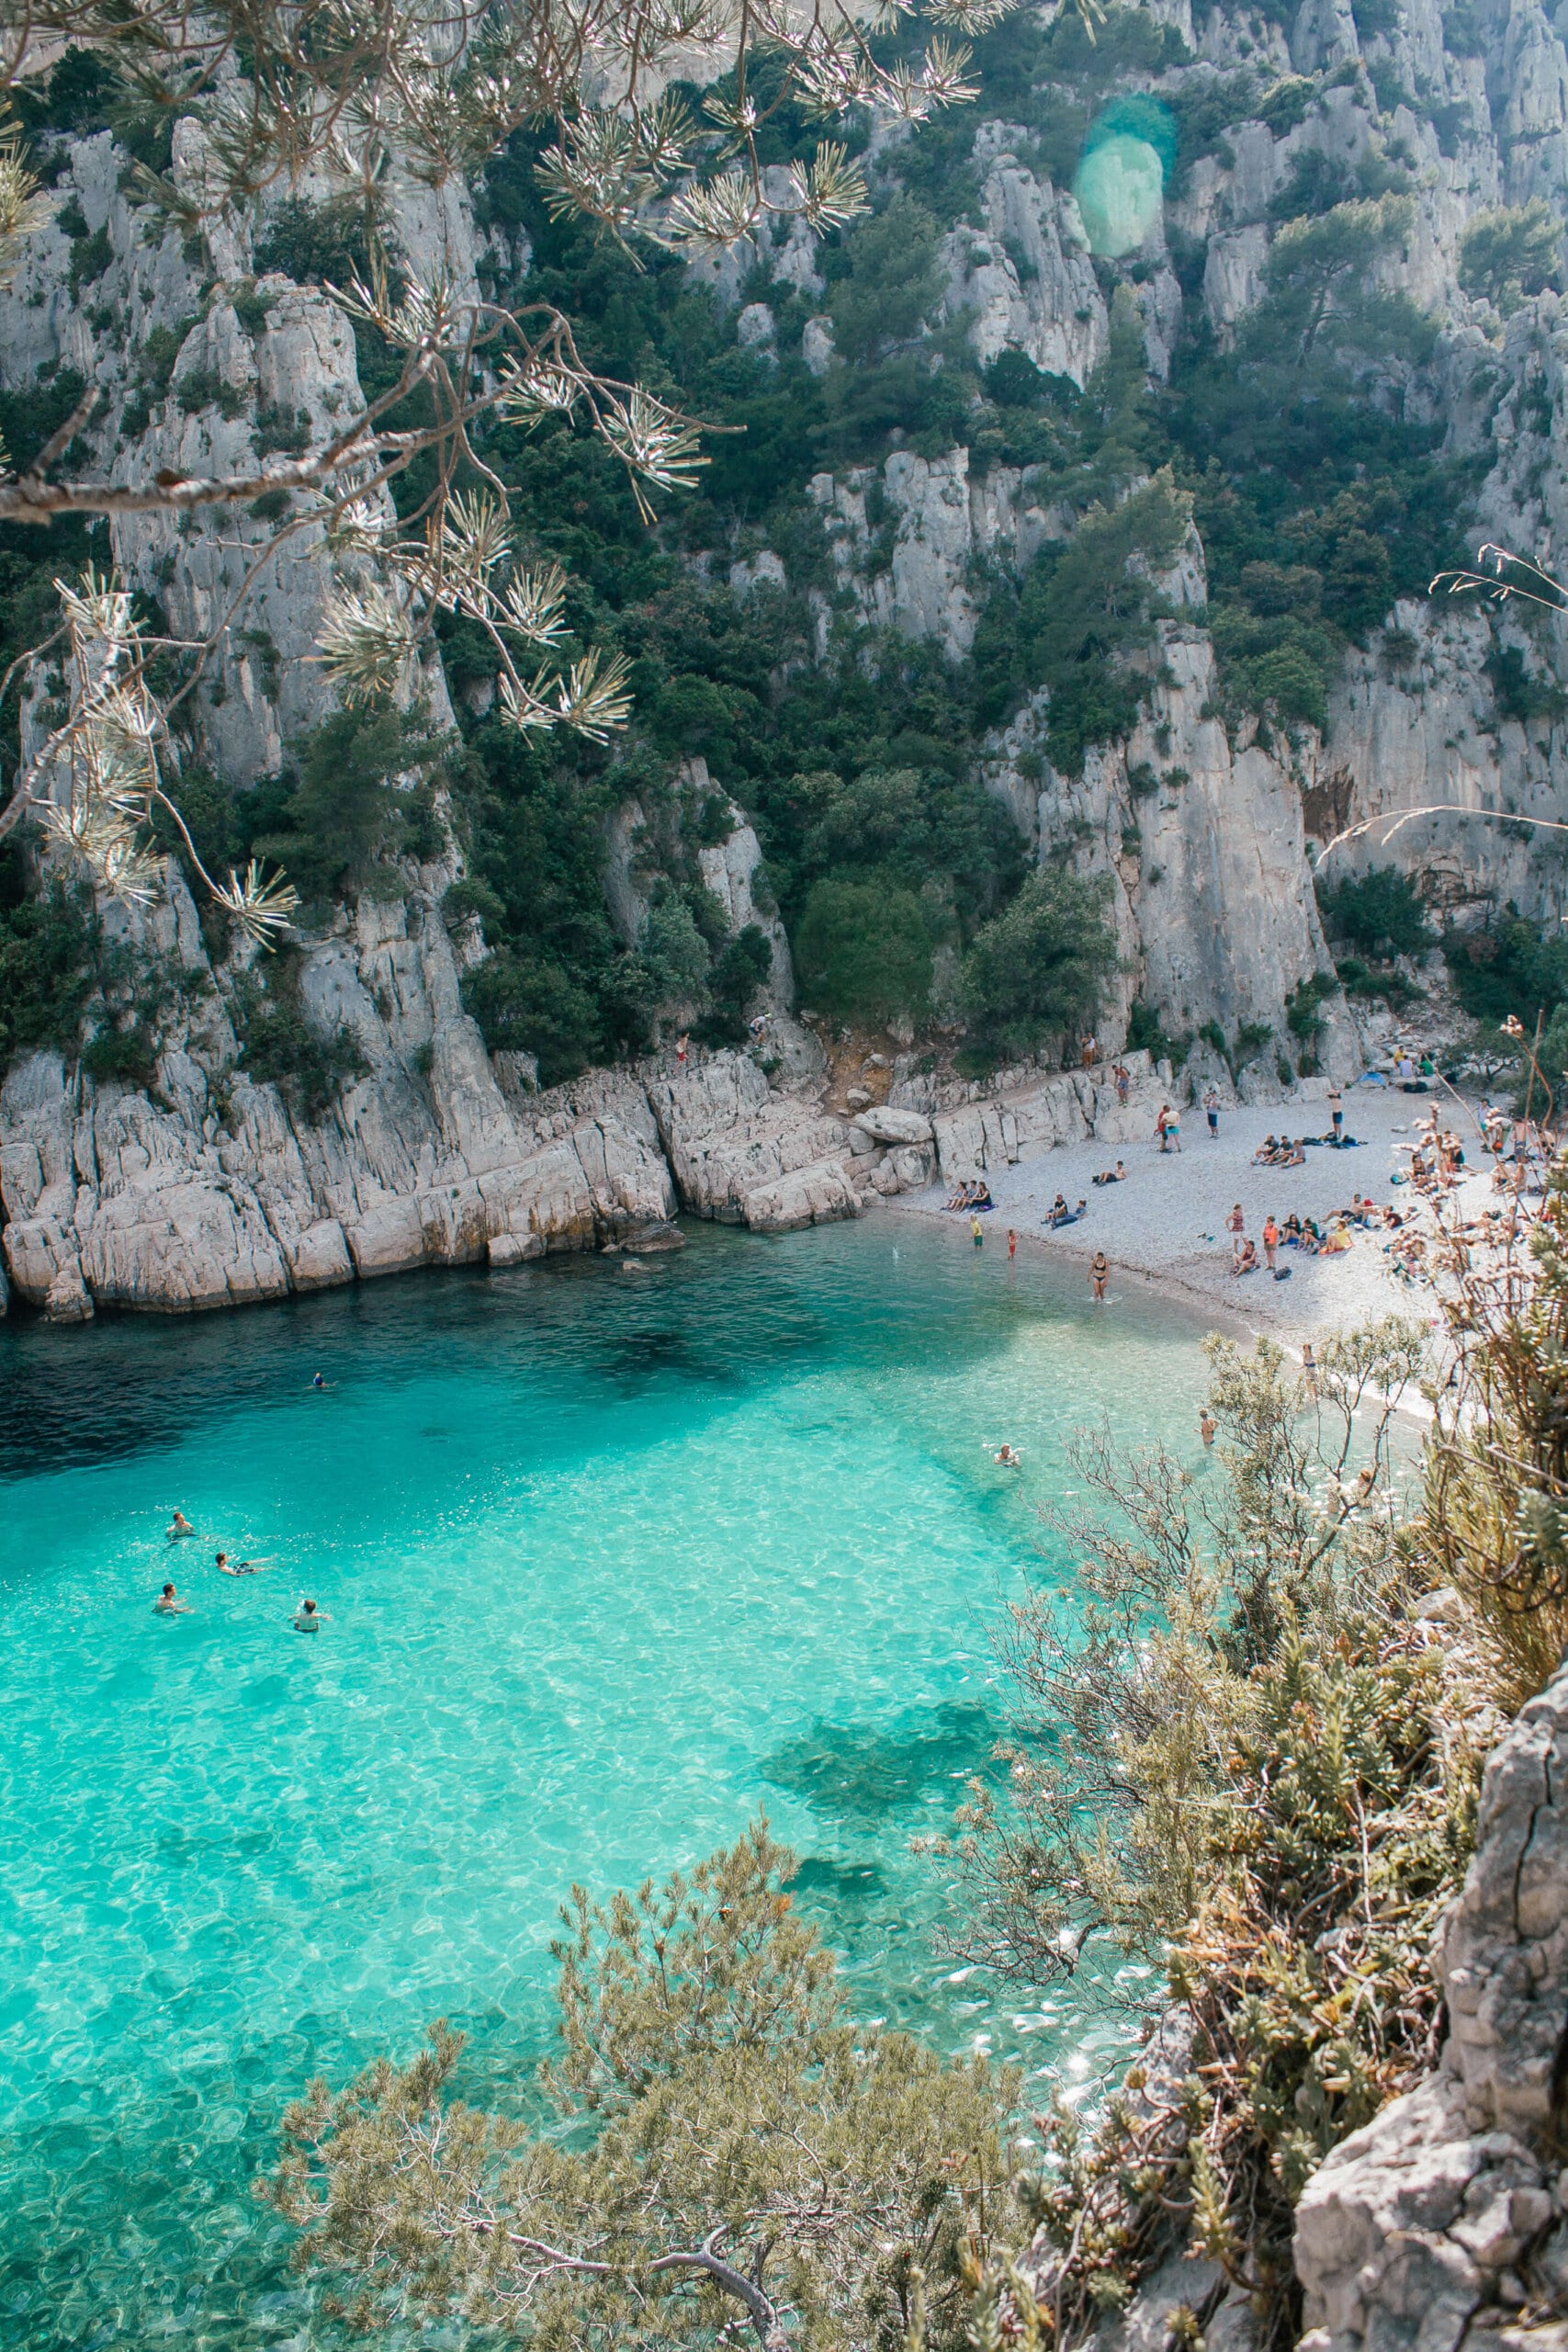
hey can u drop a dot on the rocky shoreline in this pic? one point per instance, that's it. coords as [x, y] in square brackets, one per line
[206, 1191]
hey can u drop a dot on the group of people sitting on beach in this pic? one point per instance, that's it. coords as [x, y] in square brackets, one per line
[1062, 1214]
[1304, 1234]
[1437, 1160]
[972, 1196]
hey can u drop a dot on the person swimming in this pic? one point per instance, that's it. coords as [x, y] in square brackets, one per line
[169, 1605]
[320, 1384]
[178, 1526]
[1009, 1458]
[228, 1567]
[309, 1618]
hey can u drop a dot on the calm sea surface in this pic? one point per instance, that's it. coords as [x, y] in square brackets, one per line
[611, 1563]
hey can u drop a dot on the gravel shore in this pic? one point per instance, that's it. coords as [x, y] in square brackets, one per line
[1167, 1223]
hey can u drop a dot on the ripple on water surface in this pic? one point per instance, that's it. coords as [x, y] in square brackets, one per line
[610, 1562]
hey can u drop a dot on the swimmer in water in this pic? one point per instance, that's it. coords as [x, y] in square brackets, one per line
[228, 1567]
[169, 1605]
[179, 1525]
[1207, 1425]
[320, 1384]
[310, 1619]
[1099, 1276]
[1010, 1459]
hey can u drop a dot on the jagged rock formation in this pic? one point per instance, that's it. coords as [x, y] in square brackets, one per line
[217, 1194]
[1448, 2215]
[1018, 1113]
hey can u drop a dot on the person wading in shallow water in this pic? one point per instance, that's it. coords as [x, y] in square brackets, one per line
[169, 1605]
[1099, 1276]
[976, 1231]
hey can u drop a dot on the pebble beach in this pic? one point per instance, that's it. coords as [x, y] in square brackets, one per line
[1166, 1226]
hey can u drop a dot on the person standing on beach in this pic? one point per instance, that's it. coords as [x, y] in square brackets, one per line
[976, 1231]
[1336, 1113]
[1212, 1105]
[1235, 1222]
[1099, 1276]
[1173, 1130]
[1309, 1368]
[1162, 1124]
[1270, 1241]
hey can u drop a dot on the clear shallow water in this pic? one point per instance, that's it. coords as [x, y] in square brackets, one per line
[610, 1562]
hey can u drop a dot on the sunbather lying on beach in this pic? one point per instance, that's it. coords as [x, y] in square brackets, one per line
[1116, 1175]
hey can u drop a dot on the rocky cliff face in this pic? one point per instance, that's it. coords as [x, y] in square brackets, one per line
[1446, 2220]
[205, 1187]
[208, 1191]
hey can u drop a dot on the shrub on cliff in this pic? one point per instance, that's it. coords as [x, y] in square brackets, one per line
[46, 962]
[1511, 252]
[727, 2149]
[281, 1045]
[1038, 969]
[863, 951]
[1379, 912]
[1249, 1761]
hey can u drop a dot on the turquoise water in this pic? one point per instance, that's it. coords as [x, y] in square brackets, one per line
[609, 1562]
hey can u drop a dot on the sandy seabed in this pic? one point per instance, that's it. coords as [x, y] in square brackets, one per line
[1166, 1225]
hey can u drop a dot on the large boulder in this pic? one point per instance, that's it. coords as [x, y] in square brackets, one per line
[885, 1124]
